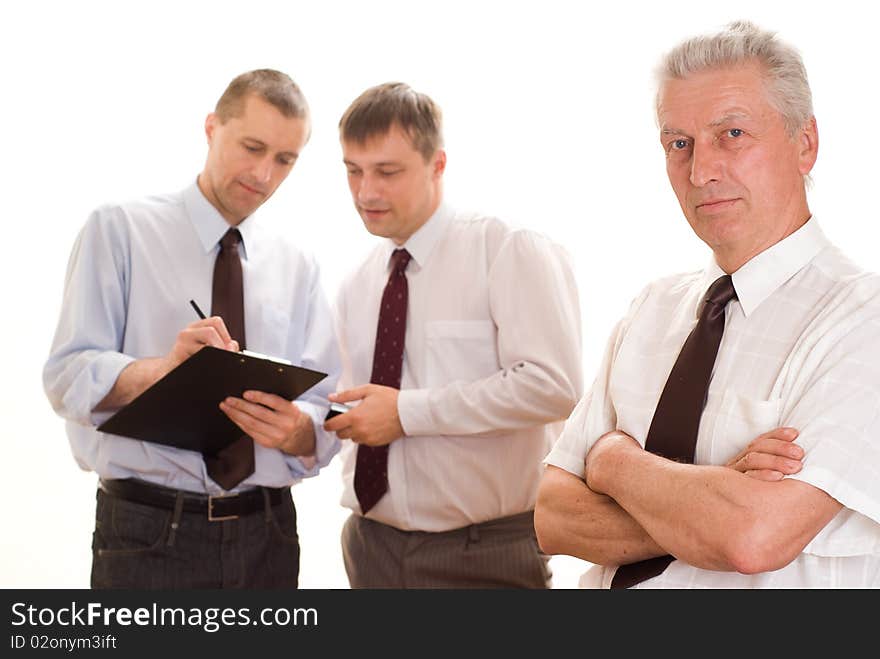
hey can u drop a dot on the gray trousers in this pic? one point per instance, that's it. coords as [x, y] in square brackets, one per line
[500, 553]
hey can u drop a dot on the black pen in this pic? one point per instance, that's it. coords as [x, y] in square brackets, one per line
[196, 307]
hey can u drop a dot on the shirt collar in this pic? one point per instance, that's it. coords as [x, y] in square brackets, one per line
[209, 224]
[763, 274]
[422, 242]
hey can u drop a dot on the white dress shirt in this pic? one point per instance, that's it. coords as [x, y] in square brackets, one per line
[491, 367]
[801, 348]
[133, 269]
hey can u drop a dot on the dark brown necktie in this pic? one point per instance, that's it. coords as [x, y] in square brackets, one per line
[235, 462]
[676, 422]
[371, 469]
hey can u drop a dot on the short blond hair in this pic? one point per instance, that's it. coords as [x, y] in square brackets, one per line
[273, 86]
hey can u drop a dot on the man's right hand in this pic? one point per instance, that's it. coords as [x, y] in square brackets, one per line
[771, 456]
[195, 336]
[142, 373]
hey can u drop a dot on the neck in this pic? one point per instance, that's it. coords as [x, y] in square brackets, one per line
[731, 258]
[208, 192]
[400, 240]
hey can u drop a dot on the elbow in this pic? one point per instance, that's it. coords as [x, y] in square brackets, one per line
[564, 394]
[755, 548]
[552, 516]
[544, 530]
[53, 391]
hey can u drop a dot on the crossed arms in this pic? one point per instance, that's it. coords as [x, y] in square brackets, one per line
[631, 505]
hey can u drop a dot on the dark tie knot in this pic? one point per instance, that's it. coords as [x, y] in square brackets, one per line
[399, 260]
[719, 294]
[230, 240]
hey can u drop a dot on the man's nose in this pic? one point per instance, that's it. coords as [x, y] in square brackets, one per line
[367, 189]
[262, 170]
[705, 163]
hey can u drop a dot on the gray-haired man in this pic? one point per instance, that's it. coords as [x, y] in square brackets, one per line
[730, 438]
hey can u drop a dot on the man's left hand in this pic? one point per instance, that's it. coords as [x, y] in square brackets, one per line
[374, 421]
[272, 421]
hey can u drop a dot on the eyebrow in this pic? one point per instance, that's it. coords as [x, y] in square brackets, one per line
[730, 116]
[292, 154]
[384, 163]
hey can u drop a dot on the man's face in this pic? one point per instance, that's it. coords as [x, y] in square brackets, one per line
[394, 189]
[736, 171]
[249, 156]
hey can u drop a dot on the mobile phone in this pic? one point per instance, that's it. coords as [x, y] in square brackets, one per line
[336, 409]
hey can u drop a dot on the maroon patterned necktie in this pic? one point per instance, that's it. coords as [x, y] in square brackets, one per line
[371, 469]
[676, 422]
[235, 462]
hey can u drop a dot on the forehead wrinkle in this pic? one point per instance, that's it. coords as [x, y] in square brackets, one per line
[728, 117]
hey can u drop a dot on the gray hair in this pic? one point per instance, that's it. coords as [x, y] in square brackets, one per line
[740, 42]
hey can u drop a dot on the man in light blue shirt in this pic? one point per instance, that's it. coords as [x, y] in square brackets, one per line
[126, 321]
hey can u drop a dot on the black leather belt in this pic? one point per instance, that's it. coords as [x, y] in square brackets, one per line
[217, 508]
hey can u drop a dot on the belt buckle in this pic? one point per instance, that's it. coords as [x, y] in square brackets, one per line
[218, 518]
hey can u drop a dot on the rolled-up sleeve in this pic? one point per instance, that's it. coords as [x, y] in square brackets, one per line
[85, 359]
[835, 405]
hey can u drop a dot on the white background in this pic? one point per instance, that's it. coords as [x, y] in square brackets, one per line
[549, 124]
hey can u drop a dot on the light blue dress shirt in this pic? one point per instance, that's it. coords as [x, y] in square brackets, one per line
[133, 269]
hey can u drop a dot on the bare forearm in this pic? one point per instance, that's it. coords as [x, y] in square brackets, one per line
[572, 519]
[133, 380]
[710, 517]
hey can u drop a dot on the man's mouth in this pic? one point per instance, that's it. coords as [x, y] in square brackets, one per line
[252, 189]
[716, 204]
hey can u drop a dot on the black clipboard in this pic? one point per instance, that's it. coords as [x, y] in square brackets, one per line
[182, 409]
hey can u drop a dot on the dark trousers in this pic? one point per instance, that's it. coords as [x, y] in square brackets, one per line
[500, 553]
[145, 547]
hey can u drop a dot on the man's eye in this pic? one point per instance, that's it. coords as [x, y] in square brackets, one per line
[678, 145]
[252, 149]
[735, 132]
[388, 172]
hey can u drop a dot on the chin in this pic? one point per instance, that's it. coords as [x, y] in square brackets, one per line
[374, 227]
[718, 229]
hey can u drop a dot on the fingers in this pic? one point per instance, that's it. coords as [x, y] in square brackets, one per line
[783, 433]
[271, 401]
[771, 446]
[208, 332]
[779, 442]
[765, 474]
[337, 423]
[357, 393]
[266, 426]
[760, 461]
[215, 322]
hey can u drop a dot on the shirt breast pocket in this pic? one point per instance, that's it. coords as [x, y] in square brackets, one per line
[739, 420]
[460, 350]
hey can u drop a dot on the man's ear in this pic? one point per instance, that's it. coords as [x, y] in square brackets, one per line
[439, 163]
[211, 122]
[808, 140]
